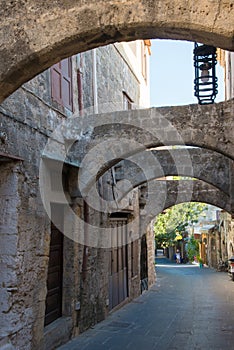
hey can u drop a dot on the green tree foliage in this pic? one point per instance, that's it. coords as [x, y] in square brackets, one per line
[175, 220]
[192, 248]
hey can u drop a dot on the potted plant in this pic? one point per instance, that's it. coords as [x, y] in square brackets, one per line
[200, 261]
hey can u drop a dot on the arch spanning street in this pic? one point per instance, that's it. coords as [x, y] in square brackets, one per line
[128, 132]
[68, 27]
[162, 194]
[202, 164]
[208, 166]
[108, 138]
[34, 35]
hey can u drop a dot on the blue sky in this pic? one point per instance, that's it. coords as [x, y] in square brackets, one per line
[172, 74]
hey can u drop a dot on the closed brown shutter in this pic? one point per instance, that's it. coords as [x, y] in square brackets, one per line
[66, 83]
[61, 83]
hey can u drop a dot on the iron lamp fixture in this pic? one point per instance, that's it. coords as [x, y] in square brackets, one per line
[205, 82]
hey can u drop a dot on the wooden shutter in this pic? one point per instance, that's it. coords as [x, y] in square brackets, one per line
[66, 69]
[61, 83]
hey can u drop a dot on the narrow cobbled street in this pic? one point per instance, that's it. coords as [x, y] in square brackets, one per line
[188, 308]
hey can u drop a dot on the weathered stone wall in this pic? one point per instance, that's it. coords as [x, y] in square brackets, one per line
[28, 117]
[226, 228]
[217, 243]
[199, 163]
[10, 202]
[114, 136]
[161, 194]
[113, 77]
[30, 236]
[36, 34]
[207, 126]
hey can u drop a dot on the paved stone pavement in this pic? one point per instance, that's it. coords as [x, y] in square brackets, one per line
[188, 308]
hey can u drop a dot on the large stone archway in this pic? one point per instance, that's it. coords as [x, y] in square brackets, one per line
[110, 137]
[164, 194]
[206, 165]
[36, 34]
[143, 167]
[120, 134]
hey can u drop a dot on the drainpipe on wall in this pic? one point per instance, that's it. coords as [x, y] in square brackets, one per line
[95, 96]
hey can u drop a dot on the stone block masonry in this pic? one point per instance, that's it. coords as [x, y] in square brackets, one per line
[100, 24]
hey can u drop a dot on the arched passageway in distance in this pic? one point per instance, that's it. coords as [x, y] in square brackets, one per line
[36, 34]
[160, 195]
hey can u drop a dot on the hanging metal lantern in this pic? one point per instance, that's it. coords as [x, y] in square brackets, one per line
[205, 82]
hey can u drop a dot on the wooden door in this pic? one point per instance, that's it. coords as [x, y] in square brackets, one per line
[55, 276]
[118, 278]
[144, 264]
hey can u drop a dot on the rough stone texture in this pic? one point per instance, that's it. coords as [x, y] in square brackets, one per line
[207, 126]
[35, 35]
[23, 321]
[202, 164]
[161, 195]
[226, 228]
[114, 77]
[217, 244]
[109, 137]
[8, 250]
[28, 117]
[68, 27]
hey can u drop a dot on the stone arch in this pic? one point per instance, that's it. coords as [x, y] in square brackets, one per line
[208, 166]
[138, 130]
[164, 194]
[68, 27]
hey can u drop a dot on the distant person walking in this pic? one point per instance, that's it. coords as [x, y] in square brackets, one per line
[178, 256]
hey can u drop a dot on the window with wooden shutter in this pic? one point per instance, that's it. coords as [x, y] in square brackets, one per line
[61, 83]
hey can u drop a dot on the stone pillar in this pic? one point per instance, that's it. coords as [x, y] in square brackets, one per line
[151, 255]
[9, 201]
